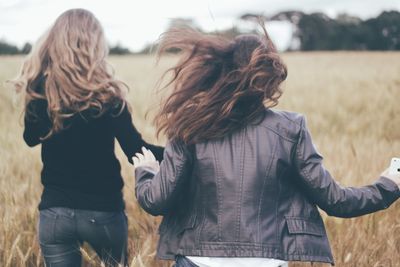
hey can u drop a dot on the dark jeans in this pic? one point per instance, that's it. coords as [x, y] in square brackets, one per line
[63, 230]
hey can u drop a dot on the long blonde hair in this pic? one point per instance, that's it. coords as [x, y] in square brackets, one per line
[70, 59]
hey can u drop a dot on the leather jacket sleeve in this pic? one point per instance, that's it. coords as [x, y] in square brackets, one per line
[157, 191]
[334, 199]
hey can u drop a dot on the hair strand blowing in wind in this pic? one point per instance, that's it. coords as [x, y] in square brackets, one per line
[218, 85]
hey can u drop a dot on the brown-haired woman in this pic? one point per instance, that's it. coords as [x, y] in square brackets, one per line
[240, 183]
[76, 108]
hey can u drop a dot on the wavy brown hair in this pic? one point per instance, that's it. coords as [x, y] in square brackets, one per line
[67, 67]
[218, 85]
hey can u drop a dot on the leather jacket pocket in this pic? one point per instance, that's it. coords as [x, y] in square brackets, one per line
[300, 225]
[176, 225]
[307, 236]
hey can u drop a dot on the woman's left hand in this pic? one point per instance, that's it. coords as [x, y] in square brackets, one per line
[146, 159]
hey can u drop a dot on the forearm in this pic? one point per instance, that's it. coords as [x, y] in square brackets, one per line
[36, 122]
[147, 195]
[31, 140]
[33, 132]
[130, 139]
[348, 202]
[336, 200]
[156, 191]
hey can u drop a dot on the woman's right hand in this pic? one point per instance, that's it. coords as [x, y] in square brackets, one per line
[147, 158]
[394, 177]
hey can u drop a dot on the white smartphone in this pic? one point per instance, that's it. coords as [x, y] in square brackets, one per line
[394, 166]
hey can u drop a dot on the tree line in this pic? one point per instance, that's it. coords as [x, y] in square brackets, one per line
[314, 31]
[317, 31]
[10, 49]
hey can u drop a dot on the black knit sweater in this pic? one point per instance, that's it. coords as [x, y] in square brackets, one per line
[80, 169]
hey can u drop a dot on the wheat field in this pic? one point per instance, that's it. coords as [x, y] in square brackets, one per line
[352, 104]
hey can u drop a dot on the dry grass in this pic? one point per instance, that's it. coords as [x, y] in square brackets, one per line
[352, 104]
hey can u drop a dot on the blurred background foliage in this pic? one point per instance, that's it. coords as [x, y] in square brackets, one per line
[312, 32]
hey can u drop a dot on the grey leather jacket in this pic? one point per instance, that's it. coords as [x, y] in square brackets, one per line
[253, 193]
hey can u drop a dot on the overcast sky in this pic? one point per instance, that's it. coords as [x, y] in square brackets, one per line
[134, 23]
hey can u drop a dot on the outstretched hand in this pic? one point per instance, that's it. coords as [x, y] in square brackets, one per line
[146, 159]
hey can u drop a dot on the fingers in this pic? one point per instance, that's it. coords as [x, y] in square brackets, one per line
[145, 153]
[135, 161]
[152, 156]
[148, 154]
[145, 159]
[140, 156]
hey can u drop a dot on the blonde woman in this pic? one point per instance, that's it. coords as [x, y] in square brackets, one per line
[75, 109]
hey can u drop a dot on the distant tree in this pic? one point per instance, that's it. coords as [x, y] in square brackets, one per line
[26, 49]
[316, 32]
[8, 49]
[149, 48]
[348, 33]
[345, 18]
[118, 49]
[319, 32]
[292, 16]
[183, 22]
[383, 32]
